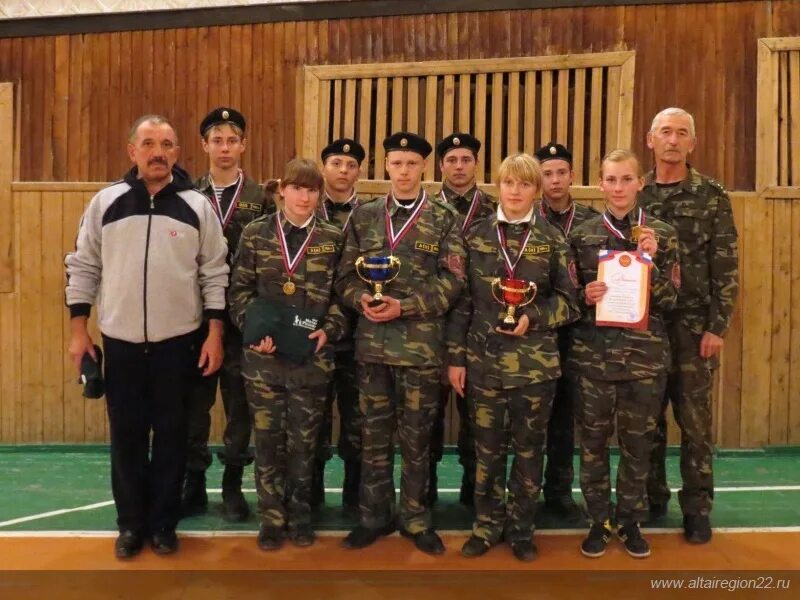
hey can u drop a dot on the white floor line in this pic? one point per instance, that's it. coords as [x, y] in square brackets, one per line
[342, 533]
[55, 513]
[63, 511]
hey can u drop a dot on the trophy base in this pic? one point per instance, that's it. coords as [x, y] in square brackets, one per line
[373, 303]
[503, 326]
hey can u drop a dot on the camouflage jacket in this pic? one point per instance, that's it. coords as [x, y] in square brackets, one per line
[616, 353]
[500, 360]
[259, 272]
[252, 203]
[487, 205]
[339, 215]
[566, 221]
[430, 279]
[700, 211]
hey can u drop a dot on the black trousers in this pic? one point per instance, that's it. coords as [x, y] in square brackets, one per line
[146, 392]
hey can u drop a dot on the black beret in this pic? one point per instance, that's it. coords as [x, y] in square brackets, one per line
[458, 140]
[403, 140]
[553, 151]
[344, 147]
[220, 116]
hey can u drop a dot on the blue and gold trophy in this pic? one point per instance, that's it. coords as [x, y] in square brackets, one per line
[377, 271]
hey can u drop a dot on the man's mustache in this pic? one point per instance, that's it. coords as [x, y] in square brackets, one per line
[157, 160]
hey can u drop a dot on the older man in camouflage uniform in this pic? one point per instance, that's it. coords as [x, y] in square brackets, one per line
[559, 208]
[458, 161]
[399, 342]
[237, 200]
[619, 370]
[700, 210]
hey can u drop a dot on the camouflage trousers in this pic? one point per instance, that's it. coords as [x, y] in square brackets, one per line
[203, 394]
[560, 472]
[689, 386]
[343, 389]
[466, 440]
[287, 422]
[635, 404]
[516, 416]
[402, 399]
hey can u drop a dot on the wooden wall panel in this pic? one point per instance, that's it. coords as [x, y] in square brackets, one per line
[81, 92]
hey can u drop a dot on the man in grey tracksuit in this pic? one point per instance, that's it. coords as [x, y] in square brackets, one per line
[150, 253]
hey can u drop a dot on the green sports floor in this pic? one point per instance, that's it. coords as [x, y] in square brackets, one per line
[66, 490]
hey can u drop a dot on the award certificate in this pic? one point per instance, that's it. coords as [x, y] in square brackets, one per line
[627, 301]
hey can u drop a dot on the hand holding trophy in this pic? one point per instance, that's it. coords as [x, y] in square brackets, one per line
[377, 271]
[512, 293]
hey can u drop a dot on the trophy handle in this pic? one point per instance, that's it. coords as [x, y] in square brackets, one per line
[532, 289]
[495, 286]
[394, 263]
[358, 264]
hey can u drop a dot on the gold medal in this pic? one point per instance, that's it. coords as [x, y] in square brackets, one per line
[289, 288]
[636, 231]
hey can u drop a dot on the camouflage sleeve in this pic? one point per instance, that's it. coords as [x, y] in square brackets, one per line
[243, 289]
[665, 278]
[458, 322]
[348, 284]
[561, 306]
[724, 268]
[576, 273]
[439, 292]
[336, 325]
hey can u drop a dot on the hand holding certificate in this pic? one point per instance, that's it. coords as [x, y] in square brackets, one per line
[627, 299]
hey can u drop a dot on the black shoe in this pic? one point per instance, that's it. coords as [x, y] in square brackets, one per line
[317, 498]
[427, 541]
[194, 499]
[594, 546]
[524, 550]
[129, 544]
[164, 541]
[631, 537]
[270, 537]
[466, 495]
[697, 529]
[564, 507]
[475, 546]
[302, 535]
[361, 537]
[433, 486]
[352, 481]
[234, 505]
[658, 510]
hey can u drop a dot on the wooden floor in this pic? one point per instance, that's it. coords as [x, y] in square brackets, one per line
[226, 567]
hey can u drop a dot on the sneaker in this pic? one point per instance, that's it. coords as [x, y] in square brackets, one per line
[594, 546]
[634, 543]
[270, 537]
[697, 529]
[475, 546]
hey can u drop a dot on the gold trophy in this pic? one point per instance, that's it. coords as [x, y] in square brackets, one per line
[512, 293]
[377, 271]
